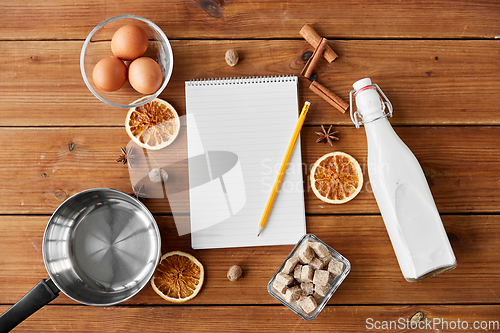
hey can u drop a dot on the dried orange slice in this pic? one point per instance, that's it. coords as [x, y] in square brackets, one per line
[178, 277]
[336, 178]
[153, 125]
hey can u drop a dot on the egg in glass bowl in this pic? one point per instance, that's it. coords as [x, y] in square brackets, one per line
[117, 66]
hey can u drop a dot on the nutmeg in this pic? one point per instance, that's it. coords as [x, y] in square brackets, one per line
[234, 273]
[232, 57]
[156, 175]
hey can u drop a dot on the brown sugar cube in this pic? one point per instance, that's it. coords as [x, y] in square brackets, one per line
[293, 294]
[335, 267]
[290, 265]
[307, 303]
[307, 274]
[306, 254]
[321, 290]
[297, 273]
[307, 288]
[284, 278]
[320, 249]
[280, 287]
[321, 277]
[317, 297]
[326, 259]
[317, 264]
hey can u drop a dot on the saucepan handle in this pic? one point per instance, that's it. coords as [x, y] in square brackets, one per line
[44, 292]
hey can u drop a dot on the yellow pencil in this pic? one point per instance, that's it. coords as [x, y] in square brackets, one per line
[283, 167]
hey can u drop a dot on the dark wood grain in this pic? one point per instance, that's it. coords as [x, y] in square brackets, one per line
[41, 170]
[214, 19]
[375, 277]
[438, 63]
[428, 82]
[259, 318]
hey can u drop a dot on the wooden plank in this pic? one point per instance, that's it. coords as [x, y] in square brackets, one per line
[428, 82]
[444, 318]
[244, 19]
[459, 161]
[375, 277]
[44, 166]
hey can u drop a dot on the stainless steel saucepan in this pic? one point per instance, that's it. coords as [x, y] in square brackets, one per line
[100, 247]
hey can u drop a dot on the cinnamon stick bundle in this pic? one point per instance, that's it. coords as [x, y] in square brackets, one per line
[329, 96]
[313, 38]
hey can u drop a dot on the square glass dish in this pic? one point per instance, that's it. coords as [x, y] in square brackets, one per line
[334, 280]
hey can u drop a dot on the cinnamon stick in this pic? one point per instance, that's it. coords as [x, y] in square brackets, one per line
[313, 38]
[329, 96]
[313, 60]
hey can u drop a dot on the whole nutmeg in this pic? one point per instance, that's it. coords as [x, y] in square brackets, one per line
[234, 273]
[156, 175]
[232, 57]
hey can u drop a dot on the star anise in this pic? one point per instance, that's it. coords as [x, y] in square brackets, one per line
[327, 135]
[126, 156]
[139, 192]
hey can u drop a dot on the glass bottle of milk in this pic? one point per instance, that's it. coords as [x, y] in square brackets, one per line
[401, 190]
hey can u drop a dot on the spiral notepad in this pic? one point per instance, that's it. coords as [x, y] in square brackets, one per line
[238, 132]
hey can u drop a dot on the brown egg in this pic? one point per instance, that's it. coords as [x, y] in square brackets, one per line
[110, 74]
[144, 75]
[129, 42]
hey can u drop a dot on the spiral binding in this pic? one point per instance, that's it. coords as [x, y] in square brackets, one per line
[241, 80]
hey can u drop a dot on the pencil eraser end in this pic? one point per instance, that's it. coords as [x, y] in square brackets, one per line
[307, 103]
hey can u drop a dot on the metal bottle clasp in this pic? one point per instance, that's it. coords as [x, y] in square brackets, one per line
[357, 118]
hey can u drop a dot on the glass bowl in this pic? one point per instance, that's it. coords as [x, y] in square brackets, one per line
[98, 46]
[334, 281]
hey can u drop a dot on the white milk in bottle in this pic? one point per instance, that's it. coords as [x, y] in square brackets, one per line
[401, 190]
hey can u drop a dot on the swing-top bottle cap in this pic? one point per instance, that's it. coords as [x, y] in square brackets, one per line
[369, 103]
[360, 84]
[367, 99]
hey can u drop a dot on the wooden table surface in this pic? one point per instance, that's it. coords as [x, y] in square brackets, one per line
[437, 61]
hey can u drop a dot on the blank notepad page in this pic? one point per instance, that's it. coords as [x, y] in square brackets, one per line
[238, 132]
